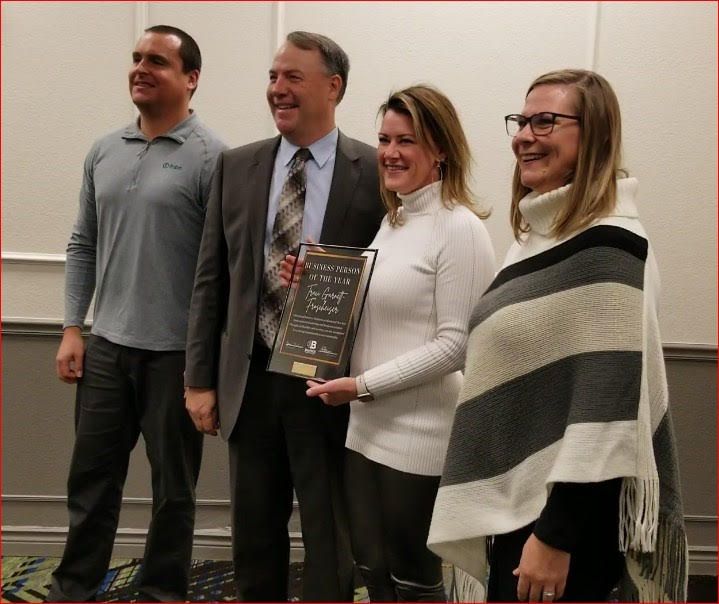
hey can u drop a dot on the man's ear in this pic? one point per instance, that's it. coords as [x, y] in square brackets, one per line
[193, 77]
[335, 86]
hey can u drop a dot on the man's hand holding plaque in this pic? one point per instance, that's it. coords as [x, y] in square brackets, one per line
[290, 268]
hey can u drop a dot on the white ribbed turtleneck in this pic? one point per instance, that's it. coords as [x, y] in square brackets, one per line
[429, 273]
[422, 200]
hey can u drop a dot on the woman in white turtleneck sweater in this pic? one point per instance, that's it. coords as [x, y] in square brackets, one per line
[435, 260]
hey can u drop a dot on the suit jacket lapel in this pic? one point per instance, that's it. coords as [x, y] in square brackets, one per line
[260, 178]
[344, 181]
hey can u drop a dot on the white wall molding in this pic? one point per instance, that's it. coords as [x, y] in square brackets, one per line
[593, 35]
[700, 518]
[703, 560]
[43, 326]
[32, 258]
[201, 503]
[279, 25]
[208, 544]
[27, 498]
[684, 351]
[216, 544]
[33, 326]
[142, 19]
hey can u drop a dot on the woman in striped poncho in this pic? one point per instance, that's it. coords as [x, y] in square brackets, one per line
[562, 449]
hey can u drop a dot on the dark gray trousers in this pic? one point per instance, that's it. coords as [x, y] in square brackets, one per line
[283, 440]
[126, 392]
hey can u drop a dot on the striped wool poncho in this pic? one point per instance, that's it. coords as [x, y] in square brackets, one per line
[565, 382]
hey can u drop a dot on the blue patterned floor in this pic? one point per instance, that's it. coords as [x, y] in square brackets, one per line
[27, 579]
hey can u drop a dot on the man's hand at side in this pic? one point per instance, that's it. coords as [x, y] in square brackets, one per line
[70, 355]
[201, 404]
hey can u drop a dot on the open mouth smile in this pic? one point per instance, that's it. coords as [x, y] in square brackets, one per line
[527, 158]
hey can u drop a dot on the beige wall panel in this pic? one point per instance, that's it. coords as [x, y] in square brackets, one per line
[32, 290]
[479, 54]
[64, 83]
[37, 415]
[37, 432]
[237, 42]
[661, 58]
[38, 435]
[693, 400]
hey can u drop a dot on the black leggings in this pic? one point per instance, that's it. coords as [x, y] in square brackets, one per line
[390, 513]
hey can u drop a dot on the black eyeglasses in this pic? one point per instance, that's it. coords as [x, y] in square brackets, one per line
[540, 123]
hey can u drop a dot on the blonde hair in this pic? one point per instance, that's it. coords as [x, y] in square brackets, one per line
[593, 193]
[435, 122]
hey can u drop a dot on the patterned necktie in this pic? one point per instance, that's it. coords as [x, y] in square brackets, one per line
[286, 234]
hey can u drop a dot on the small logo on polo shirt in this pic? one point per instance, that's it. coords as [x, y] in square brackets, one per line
[171, 166]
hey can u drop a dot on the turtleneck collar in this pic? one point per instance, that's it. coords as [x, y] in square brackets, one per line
[540, 209]
[422, 200]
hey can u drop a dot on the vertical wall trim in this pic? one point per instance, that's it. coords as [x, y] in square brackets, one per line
[279, 26]
[593, 35]
[142, 21]
[277, 37]
[142, 17]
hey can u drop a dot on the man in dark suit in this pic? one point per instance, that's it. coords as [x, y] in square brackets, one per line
[312, 182]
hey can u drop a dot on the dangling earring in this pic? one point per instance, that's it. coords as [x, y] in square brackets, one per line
[439, 167]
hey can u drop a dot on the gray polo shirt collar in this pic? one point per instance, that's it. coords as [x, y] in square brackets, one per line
[178, 134]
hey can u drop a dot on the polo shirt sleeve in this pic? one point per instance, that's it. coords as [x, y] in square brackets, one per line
[82, 250]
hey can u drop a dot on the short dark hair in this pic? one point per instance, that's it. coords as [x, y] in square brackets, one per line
[189, 50]
[335, 59]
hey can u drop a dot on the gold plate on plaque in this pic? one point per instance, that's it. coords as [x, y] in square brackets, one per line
[304, 369]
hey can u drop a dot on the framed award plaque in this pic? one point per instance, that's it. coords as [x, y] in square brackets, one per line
[322, 311]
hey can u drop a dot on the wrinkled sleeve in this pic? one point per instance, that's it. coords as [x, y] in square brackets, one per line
[465, 267]
[80, 265]
[208, 307]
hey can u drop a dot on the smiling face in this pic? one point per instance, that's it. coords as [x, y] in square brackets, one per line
[547, 162]
[405, 164]
[157, 81]
[301, 95]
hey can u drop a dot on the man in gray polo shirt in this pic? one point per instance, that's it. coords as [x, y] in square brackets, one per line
[135, 244]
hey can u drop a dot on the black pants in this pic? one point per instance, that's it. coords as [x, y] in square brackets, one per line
[124, 392]
[283, 439]
[595, 566]
[390, 513]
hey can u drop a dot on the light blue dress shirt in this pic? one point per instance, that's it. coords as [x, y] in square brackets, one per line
[319, 172]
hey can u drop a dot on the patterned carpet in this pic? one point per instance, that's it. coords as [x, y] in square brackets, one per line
[26, 579]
